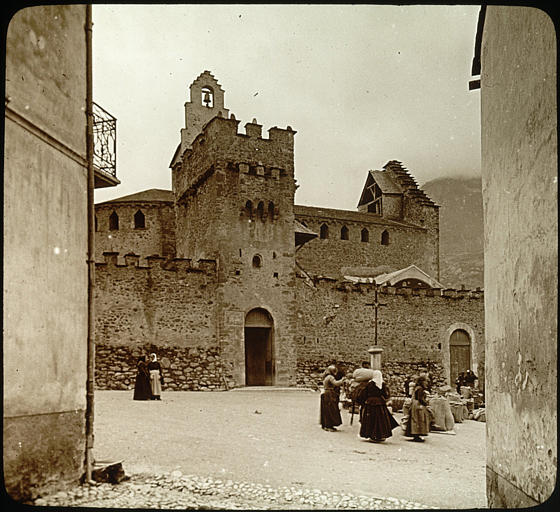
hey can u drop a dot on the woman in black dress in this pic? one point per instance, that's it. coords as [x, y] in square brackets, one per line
[330, 412]
[142, 389]
[377, 422]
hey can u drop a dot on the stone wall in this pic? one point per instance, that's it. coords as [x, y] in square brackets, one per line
[408, 244]
[190, 369]
[156, 238]
[168, 303]
[334, 323]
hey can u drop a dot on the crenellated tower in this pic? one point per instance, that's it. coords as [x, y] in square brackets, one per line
[234, 202]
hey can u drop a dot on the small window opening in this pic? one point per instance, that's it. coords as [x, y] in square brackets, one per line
[271, 210]
[276, 275]
[113, 221]
[385, 238]
[257, 261]
[139, 220]
[324, 232]
[365, 235]
[260, 211]
[96, 227]
[344, 233]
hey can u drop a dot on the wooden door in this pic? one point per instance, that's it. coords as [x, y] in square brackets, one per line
[459, 353]
[257, 356]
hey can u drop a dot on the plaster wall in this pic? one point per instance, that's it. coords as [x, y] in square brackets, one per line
[519, 178]
[45, 248]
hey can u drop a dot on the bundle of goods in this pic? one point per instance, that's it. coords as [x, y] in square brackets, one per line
[443, 420]
[479, 414]
[458, 407]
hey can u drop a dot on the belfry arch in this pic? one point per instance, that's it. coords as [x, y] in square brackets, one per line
[259, 353]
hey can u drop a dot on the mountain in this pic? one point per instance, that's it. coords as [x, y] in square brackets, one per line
[461, 230]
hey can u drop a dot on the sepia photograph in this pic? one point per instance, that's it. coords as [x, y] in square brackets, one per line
[280, 257]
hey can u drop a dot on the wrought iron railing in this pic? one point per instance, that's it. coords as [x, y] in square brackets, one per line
[104, 141]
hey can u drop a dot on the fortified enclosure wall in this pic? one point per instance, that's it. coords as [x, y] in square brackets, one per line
[334, 323]
[169, 308]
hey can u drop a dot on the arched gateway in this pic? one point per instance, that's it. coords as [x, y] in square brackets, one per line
[259, 367]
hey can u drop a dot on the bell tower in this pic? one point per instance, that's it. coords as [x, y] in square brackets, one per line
[207, 101]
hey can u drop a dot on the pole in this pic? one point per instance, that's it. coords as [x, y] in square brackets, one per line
[91, 249]
[376, 308]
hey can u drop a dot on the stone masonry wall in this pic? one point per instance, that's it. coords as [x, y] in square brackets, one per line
[157, 238]
[335, 324]
[168, 303]
[407, 244]
[190, 369]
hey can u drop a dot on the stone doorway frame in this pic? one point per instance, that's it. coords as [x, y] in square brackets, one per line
[262, 319]
[445, 348]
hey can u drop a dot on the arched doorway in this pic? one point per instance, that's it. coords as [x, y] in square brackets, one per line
[459, 353]
[259, 367]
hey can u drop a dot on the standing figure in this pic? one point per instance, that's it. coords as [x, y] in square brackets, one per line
[470, 378]
[460, 381]
[330, 412]
[419, 417]
[377, 422]
[142, 389]
[156, 377]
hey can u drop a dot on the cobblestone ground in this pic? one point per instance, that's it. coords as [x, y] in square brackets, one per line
[177, 491]
[264, 449]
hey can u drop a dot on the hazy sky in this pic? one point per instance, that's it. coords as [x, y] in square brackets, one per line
[361, 85]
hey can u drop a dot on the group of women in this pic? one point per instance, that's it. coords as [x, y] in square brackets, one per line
[149, 379]
[377, 422]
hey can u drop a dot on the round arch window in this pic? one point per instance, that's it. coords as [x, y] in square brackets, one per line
[257, 261]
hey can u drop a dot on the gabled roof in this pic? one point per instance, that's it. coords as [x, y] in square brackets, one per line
[148, 196]
[393, 278]
[303, 234]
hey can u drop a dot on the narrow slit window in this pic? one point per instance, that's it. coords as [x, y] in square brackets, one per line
[113, 221]
[344, 233]
[324, 232]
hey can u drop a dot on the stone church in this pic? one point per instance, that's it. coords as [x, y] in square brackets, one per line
[233, 284]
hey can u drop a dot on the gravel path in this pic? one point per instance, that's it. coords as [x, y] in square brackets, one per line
[255, 449]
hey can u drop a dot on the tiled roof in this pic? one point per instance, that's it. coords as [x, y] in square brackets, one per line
[148, 196]
[386, 184]
[408, 183]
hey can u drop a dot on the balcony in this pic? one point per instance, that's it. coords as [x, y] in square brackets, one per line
[104, 148]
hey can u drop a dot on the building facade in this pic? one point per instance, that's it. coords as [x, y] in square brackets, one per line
[240, 286]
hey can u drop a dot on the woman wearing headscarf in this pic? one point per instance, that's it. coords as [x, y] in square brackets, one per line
[377, 422]
[142, 390]
[419, 419]
[156, 377]
[330, 412]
